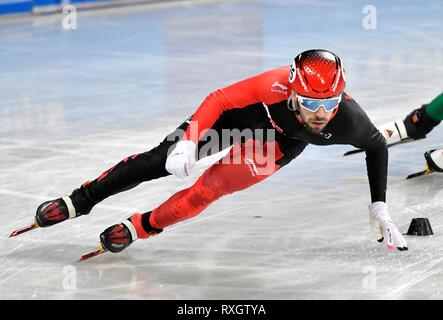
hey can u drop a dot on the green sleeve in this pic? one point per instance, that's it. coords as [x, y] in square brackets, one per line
[435, 108]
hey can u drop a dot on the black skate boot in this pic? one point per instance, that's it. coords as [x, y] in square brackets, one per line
[418, 123]
[58, 210]
[434, 160]
[54, 211]
[120, 236]
[51, 212]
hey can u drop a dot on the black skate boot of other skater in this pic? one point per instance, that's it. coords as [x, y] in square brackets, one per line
[120, 236]
[418, 123]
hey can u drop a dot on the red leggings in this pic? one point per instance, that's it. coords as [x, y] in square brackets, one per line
[243, 170]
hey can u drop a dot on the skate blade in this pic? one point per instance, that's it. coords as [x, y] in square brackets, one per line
[354, 151]
[24, 229]
[97, 252]
[419, 174]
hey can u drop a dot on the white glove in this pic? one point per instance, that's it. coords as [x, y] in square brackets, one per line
[182, 159]
[384, 228]
[394, 131]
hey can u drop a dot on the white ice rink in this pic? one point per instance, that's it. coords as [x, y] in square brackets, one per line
[73, 103]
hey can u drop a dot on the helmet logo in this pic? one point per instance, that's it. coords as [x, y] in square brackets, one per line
[292, 73]
[309, 70]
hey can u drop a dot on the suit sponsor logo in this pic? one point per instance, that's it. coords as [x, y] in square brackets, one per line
[326, 135]
[277, 84]
[251, 165]
[280, 88]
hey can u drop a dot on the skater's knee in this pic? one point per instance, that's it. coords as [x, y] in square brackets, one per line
[224, 179]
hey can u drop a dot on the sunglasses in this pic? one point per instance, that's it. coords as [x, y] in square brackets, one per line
[313, 105]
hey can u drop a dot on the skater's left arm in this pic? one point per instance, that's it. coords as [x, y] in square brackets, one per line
[376, 163]
[374, 144]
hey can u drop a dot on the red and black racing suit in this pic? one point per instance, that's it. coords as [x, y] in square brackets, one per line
[260, 102]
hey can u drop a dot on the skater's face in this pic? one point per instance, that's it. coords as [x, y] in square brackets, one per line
[314, 121]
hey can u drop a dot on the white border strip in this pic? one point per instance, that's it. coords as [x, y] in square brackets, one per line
[71, 209]
[131, 229]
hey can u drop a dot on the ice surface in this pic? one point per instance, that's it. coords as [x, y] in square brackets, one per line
[73, 103]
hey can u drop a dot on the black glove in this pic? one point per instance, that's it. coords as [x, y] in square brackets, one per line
[418, 123]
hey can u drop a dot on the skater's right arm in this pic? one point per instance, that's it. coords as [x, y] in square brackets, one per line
[268, 87]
